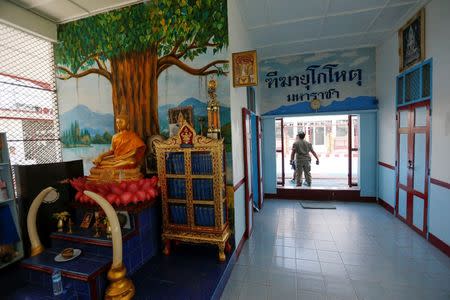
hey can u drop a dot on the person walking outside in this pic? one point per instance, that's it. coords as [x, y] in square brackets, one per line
[301, 148]
[294, 165]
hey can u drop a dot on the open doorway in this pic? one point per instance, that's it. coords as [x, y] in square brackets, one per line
[335, 139]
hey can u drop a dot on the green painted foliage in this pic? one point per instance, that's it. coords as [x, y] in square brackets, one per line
[154, 23]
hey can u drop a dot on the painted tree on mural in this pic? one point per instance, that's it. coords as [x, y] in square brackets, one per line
[132, 46]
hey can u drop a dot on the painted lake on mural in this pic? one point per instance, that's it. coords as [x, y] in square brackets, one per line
[87, 154]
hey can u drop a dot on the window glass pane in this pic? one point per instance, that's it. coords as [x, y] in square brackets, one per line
[341, 131]
[412, 86]
[421, 116]
[426, 80]
[400, 99]
[404, 118]
[319, 136]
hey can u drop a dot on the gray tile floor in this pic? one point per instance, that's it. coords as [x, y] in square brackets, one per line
[358, 251]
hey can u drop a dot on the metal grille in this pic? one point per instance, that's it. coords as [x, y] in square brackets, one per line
[400, 90]
[28, 103]
[412, 85]
[426, 80]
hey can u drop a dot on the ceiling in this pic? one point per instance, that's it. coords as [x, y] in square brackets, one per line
[287, 27]
[61, 11]
[278, 27]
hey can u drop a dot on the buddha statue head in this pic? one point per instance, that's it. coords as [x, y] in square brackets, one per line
[122, 120]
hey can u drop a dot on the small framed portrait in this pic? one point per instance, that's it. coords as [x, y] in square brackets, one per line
[124, 219]
[178, 116]
[245, 69]
[411, 39]
[87, 220]
[151, 166]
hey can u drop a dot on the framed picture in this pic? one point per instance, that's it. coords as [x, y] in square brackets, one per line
[87, 219]
[177, 117]
[411, 39]
[124, 219]
[151, 166]
[245, 69]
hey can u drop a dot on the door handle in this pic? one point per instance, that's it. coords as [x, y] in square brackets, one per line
[410, 164]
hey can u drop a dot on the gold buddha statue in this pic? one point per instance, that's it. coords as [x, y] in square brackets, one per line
[124, 159]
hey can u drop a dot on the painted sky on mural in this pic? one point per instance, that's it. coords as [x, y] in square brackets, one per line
[175, 85]
[346, 60]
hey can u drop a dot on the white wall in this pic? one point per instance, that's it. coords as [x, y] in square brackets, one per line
[386, 70]
[239, 40]
[437, 45]
[25, 20]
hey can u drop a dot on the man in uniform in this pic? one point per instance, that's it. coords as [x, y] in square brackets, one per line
[301, 148]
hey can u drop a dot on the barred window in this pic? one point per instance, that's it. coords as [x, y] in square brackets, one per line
[414, 84]
[28, 103]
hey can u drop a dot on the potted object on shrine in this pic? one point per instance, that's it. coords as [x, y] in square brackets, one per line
[61, 217]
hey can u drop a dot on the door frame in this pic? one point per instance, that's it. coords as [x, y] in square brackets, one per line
[350, 150]
[248, 196]
[411, 131]
[282, 150]
[260, 174]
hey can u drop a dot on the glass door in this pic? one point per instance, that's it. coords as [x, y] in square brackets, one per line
[353, 150]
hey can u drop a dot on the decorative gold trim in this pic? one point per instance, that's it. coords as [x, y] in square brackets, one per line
[235, 57]
[37, 250]
[121, 287]
[219, 233]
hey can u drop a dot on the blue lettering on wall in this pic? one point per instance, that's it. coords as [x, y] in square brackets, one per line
[314, 75]
[325, 95]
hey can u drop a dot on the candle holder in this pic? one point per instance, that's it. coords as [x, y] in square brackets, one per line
[97, 227]
[69, 225]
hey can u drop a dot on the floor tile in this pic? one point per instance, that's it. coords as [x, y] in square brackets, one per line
[326, 245]
[315, 284]
[252, 291]
[308, 254]
[257, 275]
[282, 251]
[329, 256]
[308, 266]
[309, 295]
[357, 251]
[232, 290]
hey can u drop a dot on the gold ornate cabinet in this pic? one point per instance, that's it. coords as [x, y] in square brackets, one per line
[191, 170]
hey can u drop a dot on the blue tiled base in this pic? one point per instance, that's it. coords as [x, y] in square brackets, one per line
[33, 292]
[143, 246]
[190, 272]
[86, 274]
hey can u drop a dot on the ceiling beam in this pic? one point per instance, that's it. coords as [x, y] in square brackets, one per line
[23, 19]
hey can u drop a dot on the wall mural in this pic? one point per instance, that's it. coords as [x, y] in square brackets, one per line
[341, 80]
[141, 58]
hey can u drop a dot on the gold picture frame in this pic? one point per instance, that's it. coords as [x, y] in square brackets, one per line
[245, 68]
[87, 219]
[411, 40]
[178, 116]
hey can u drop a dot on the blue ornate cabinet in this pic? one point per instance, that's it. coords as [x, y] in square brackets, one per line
[191, 169]
[11, 248]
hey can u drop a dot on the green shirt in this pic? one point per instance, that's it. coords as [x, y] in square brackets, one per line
[302, 149]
